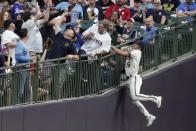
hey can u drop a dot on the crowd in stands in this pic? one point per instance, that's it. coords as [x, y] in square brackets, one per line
[26, 25]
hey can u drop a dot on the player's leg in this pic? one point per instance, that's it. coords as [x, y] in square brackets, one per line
[135, 86]
[149, 117]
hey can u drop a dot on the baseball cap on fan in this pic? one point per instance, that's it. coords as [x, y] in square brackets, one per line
[132, 20]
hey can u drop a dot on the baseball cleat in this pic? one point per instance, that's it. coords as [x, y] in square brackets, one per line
[159, 101]
[150, 120]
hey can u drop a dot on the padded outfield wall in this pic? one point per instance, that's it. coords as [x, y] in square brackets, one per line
[114, 111]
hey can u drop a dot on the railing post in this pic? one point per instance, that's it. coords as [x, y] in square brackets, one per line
[98, 76]
[78, 85]
[175, 45]
[14, 86]
[156, 51]
[35, 82]
[57, 83]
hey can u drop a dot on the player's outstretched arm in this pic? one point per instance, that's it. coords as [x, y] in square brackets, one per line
[120, 52]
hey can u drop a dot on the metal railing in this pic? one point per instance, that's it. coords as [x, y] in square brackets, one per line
[62, 78]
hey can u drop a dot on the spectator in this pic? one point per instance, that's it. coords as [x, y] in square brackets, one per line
[115, 20]
[120, 8]
[22, 52]
[8, 41]
[170, 5]
[128, 33]
[93, 11]
[75, 9]
[79, 41]
[82, 3]
[157, 13]
[98, 40]
[27, 7]
[147, 4]
[137, 13]
[62, 47]
[104, 4]
[149, 32]
[32, 23]
[188, 8]
[17, 9]
[22, 56]
[63, 44]
[4, 14]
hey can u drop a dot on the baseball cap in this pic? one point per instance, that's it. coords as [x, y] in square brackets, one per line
[140, 43]
[132, 20]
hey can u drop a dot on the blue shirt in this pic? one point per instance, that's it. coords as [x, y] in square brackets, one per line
[16, 9]
[76, 13]
[64, 5]
[186, 7]
[21, 53]
[79, 41]
[148, 38]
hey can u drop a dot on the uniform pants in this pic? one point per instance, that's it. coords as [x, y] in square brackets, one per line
[135, 83]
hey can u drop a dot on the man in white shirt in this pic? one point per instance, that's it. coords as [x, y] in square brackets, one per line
[8, 41]
[133, 56]
[97, 39]
[32, 24]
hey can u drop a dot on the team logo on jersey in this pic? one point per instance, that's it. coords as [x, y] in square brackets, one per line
[168, 6]
[66, 44]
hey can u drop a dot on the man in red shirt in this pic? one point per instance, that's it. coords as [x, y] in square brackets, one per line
[119, 7]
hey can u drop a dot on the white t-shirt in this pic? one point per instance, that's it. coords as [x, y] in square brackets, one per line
[9, 37]
[99, 43]
[35, 42]
[132, 62]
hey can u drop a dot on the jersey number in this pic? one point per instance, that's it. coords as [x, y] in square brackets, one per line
[128, 64]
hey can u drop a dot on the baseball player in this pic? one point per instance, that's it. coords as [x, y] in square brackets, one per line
[133, 56]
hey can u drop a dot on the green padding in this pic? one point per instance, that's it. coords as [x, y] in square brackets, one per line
[85, 24]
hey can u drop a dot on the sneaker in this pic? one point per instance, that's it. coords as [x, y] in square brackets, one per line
[159, 100]
[150, 120]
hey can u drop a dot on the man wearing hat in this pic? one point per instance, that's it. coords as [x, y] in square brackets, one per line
[133, 56]
[128, 33]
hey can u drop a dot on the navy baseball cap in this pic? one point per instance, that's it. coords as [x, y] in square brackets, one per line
[140, 43]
